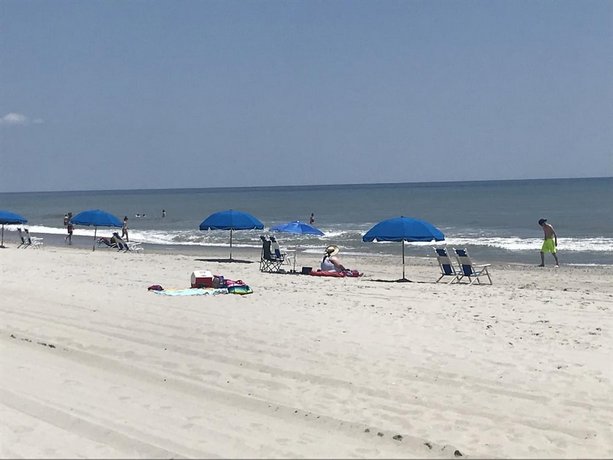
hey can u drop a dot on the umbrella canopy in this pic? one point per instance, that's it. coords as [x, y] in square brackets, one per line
[96, 218]
[297, 227]
[7, 217]
[403, 229]
[231, 220]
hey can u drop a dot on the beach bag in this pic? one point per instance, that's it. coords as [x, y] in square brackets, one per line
[219, 282]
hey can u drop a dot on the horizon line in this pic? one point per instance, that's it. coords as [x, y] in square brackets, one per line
[373, 184]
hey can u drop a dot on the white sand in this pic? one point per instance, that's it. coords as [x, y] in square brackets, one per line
[94, 365]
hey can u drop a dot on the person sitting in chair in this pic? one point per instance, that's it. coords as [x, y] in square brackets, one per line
[331, 263]
[110, 242]
[24, 243]
[121, 244]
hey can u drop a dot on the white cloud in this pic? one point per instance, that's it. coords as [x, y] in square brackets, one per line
[14, 119]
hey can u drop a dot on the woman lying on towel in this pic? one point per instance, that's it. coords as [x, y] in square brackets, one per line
[332, 266]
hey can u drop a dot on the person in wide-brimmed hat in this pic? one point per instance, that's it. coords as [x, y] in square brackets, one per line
[331, 263]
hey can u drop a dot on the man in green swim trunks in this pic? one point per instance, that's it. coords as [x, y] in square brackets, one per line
[551, 242]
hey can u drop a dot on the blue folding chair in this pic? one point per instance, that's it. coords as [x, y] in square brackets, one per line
[469, 270]
[447, 268]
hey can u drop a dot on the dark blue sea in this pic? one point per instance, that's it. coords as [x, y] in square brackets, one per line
[495, 220]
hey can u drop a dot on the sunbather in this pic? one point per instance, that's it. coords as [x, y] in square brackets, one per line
[110, 242]
[331, 263]
[114, 241]
[121, 244]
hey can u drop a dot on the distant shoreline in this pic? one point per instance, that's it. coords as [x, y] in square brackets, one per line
[320, 186]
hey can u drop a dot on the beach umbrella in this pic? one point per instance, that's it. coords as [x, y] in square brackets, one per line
[403, 229]
[96, 218]
[299, 228]
[231, 220]
[10, 218]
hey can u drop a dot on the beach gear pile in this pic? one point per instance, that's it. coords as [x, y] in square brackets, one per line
[205, 283]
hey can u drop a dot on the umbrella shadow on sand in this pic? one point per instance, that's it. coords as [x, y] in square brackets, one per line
[234, 261]
[401, 280]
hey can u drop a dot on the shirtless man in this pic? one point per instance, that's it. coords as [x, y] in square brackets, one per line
[550, 244]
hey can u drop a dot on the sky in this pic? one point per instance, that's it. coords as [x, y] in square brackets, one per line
[98, 95]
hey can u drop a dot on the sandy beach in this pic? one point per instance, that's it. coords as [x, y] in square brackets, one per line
[94, 365]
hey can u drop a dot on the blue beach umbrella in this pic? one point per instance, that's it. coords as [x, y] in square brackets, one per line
[96, 218]
[10, 218]
[297, 227]
[403, 229]
[231, 220]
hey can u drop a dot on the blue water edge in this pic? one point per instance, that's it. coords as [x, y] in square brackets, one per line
[495, 220]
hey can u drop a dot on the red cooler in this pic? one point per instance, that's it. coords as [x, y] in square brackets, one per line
[202, 279]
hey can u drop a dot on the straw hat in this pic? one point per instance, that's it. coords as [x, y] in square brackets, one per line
[332, 250]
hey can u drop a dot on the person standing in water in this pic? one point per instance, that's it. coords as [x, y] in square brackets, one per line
[312, 219]
[124, 228]
[550, 243]
[69, 227]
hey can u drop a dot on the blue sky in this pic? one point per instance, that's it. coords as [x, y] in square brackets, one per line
[164, 94]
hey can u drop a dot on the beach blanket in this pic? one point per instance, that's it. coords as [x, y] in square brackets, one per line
[231, 287]
[191, 291]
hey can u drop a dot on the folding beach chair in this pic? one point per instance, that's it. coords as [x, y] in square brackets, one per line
[469, 270]
[268, 261]
[33, 241]
[447, 268]
[24, 242]
[133, 246]
[276, 251]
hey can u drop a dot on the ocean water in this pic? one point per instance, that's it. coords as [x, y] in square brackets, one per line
[495, 220]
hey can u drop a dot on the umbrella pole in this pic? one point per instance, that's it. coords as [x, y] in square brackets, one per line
[230, 244]
[404, 278]
[2, 244]
[94, 246]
